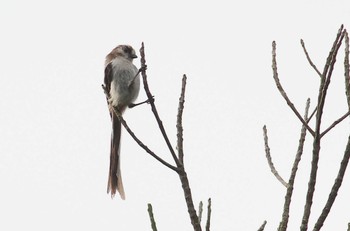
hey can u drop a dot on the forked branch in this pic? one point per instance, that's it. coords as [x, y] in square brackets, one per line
[283, 93]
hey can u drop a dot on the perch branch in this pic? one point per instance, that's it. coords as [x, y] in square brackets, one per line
[269, 159]
[180, 168]
[153, 106]
[138, 141]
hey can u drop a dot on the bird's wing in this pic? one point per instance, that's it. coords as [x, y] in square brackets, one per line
[107, 81]
[108, 77]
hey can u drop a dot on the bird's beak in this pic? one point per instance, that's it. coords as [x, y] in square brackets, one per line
[134, 56]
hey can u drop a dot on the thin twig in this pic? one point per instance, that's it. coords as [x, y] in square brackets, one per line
[283, 93]
[151, 217]
[309, 59]
[179, 121]
[262, 227]
[312, 114]
[325, 81]
[153, 106]
[288, 198]
[269, 159]
[331, 68]
[347, 68]
[200, 211]
[335, 123]
[335, 188]
[207, 226]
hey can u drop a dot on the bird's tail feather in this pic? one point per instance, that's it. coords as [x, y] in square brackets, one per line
[115, 182]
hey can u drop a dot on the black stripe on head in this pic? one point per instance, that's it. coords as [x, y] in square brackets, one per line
[127, 49]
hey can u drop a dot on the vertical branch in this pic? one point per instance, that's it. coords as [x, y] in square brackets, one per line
[207, 226]
[179, 121]
[346, 68]
[189, 201]
[325, 81]
[200, 211]
[288, 198]
[151, 217]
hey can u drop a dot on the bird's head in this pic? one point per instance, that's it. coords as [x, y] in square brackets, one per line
[124, 51]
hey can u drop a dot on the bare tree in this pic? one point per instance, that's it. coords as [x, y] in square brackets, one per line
[316, 133]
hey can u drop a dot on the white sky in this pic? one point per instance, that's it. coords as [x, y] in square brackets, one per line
[55, 126]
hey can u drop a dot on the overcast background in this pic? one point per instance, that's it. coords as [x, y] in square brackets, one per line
[55, 126]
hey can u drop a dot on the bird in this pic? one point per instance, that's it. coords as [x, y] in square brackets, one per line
[122, 86]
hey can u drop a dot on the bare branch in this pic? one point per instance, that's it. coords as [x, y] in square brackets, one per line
[189, 201]
[180, 168]
[335, 123]
[262, 227]
[269, 159]
[335, 188]
[283, 93]
[151, 217]
[309, 59]
[153, 106]
[344, 163]
[312, 114]
[139, 142]
[207, 226]
[347, 68]
[200, 211]
[179, 121]
[288, 198]
[325, 81]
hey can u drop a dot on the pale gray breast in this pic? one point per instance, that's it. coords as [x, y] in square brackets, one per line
[124, 87]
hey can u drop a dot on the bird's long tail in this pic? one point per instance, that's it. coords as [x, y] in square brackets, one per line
[115, 182]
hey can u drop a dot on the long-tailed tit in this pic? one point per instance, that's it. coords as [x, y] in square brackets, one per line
[122, 83]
